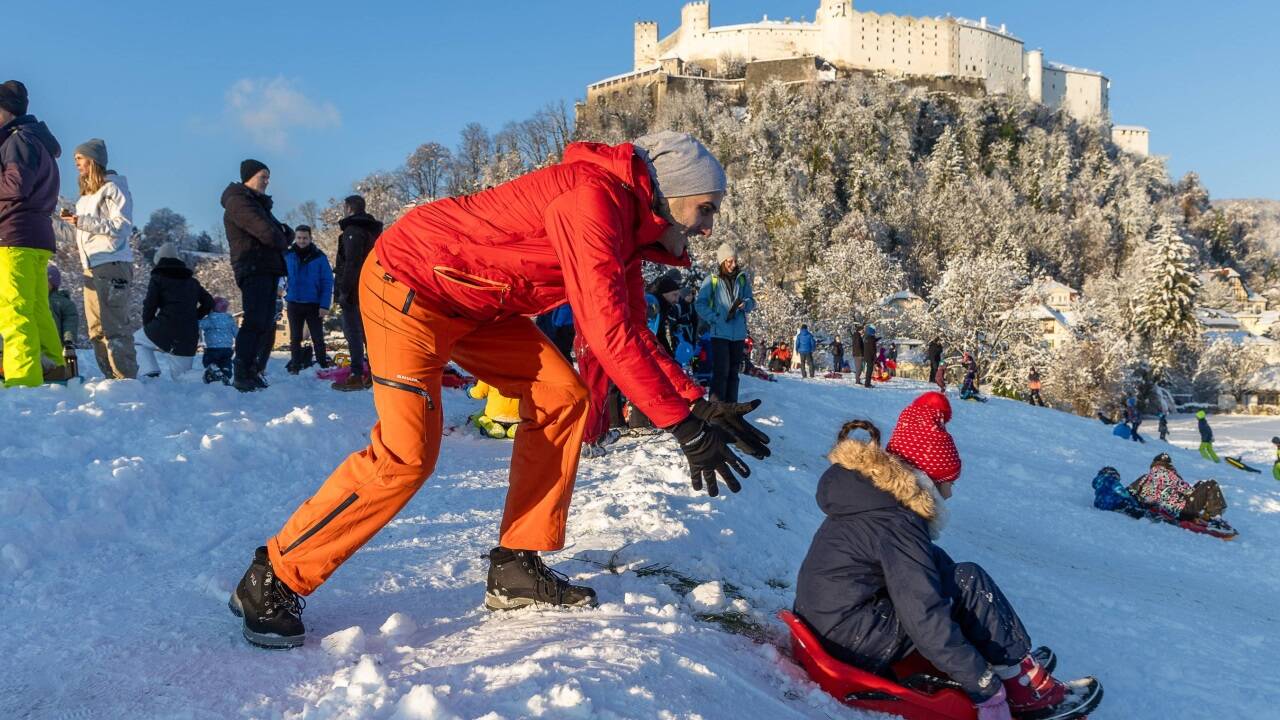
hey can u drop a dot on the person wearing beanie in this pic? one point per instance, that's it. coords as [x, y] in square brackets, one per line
[102, 224]
[171, 314]
[360, 231]
[257, 241]
[218, 329]
[876, 587]
[461, 278]
[1206, 437]
[665, 292]
[63, 308]
[1163, 491]
[28, 196]
[724, 301]
[870, 353]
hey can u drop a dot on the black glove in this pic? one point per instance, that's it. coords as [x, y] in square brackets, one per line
[730, 417]
[707, 449]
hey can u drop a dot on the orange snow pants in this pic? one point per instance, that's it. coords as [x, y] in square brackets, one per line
[409, 344]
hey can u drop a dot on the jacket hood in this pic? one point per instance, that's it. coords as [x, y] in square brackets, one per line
[30, 125]
[875, 480]
[363, 219]
[622, 162]
[172, 267]
[236, 188]
[118, 180]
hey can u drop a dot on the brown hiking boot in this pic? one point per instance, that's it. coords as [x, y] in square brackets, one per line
[351, 384]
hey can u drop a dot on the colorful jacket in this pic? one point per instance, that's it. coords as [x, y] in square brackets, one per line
[28, 183]
[104, 222]
[578, 231]
[1109, 493]
[310, 277]
[497, 407]
[219, 330]
[716, 298]
[1206, 432]
[1163, 488]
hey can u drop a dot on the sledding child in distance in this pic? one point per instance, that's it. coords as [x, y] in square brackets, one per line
[219, 331]
[876, 587]
[1206, 438]
[501, 414]
[1163, 489]
[1033, 387]
[1163, 425]
[1275, 469]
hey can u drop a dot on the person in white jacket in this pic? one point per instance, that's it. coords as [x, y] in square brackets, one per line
[103, 222]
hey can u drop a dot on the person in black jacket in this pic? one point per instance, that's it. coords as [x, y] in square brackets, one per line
[855, 352]
[360, 231]
[876, 588]
[667, 290]
[869, 353]
[171, 316]
[934, 353]
[258, 242]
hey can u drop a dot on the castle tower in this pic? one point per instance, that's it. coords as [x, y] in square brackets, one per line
[695, 18]
[646, 44]
[834, 9]
[1033, 71]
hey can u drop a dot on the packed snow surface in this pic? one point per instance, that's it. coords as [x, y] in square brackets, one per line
[129, 510]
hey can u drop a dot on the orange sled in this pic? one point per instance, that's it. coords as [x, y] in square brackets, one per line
[869, 691]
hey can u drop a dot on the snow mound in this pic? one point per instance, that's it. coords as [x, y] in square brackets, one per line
[129, 510]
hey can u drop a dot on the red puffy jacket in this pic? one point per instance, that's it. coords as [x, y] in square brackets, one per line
[575, 231]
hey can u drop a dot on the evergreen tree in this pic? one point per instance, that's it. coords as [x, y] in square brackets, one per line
[1164, 313]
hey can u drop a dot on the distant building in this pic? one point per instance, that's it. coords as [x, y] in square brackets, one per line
[947, 53]
[1056, 312]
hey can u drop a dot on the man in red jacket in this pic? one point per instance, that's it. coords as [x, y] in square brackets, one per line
[458, 279]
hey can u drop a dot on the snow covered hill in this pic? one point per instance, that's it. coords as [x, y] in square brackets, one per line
[129, 510]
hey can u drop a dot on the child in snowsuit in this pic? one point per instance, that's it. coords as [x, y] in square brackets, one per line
[969, 387]
[876, 587]
[501, 414]
[1163, 426]
[1206, 438]
[1109, 493]
[171, 316]
[1164, 490]
[940, 377]
[219, 331]
[67, 320]
[1275, 469]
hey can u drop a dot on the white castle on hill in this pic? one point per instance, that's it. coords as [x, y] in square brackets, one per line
[967, 53]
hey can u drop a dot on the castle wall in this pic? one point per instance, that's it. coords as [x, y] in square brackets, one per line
[891, 43]
[1082, 94]
[1133, 139]
[993, 56]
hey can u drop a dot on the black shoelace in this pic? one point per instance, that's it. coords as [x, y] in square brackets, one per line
[287, 600]
[549, 578]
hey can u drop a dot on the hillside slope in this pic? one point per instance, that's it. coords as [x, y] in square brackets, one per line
[129, 510]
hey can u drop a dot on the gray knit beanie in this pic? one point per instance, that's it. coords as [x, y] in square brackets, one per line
[683, 165]
[166, 250]
[95, 149]
[725, 252]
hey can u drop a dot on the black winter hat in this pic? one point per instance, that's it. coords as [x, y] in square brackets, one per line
[251, 167]
[666, 283]
[13, 97]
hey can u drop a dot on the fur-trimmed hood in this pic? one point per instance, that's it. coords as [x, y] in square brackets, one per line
[876, 480]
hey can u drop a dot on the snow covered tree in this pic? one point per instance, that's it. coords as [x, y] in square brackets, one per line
[1232, 365]
[1164, 311]
[849, 280]
[164, 226]
[426, 172]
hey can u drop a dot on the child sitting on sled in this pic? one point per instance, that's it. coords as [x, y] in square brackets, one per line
[876, 588]
[1163, 489]
[501, 414]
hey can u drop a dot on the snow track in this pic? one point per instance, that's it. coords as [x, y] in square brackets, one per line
[129, 510]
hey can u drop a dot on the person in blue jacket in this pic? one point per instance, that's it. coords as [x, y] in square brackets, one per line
[876, 588]
[723, 302]
[308, 297]
[805, 345]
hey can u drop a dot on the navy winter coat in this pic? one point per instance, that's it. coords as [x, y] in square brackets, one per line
[28, 183]
[310, 277]
[871, 585]
[1206, 434]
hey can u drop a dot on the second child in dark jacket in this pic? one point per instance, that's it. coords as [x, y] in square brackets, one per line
[360, 232]
[876, 588]
[307, 298]
[171, 315]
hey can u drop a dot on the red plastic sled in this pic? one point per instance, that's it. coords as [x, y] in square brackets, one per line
[868, 691]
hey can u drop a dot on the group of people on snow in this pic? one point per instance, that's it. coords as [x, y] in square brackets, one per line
[38, 319]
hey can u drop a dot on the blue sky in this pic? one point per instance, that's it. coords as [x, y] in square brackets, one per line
[341, 89]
